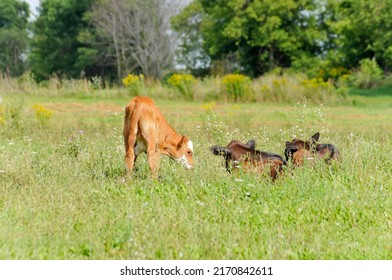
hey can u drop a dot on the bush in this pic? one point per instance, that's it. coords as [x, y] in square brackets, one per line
[184, 84]
[2, 114]
[237, 87]
[41, 113]
[369, 75]
[134, 83]
[292, 89]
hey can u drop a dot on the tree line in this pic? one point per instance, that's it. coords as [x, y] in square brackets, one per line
[111, 38]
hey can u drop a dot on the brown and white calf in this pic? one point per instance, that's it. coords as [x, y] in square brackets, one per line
[299, 150]
[238, 155]
[146, 130]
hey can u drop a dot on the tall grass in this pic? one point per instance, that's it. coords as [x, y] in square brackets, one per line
[64, 193]
[294, 88]
[230, 88]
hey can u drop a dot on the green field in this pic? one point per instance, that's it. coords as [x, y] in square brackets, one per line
[64, 193]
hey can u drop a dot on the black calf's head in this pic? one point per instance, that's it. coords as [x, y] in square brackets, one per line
[220, 151]
[228, 150]
[233, 151]
[251, 144]
[297, 145]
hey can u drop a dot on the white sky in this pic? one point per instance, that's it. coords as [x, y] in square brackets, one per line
[33, 7]
[35, 3]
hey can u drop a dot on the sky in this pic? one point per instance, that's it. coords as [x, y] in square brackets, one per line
[35, 3]
[33, 6]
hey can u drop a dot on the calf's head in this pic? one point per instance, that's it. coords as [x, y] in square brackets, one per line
[299, 149]
[182, 152]
[234, 151]
[227, 152]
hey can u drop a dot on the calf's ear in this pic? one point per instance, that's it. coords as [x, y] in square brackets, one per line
[183, 140]
[251, 144]
[220, 151]
[316, 137]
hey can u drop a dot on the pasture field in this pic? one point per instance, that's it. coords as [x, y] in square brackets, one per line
[64, 193]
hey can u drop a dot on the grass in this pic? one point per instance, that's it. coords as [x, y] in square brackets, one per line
[382, 91]
[64, 194]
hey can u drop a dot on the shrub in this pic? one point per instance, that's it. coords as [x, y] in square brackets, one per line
[2, 113]
[209, 106]
[336, 72]
[27, 82]
[96, 82]
[134, 83]
[13, 114]
[42, 114]
[184, 84]
[292, 89]
[237, 87]
[369, 75]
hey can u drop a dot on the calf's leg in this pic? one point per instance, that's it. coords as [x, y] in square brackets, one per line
[129, 141]
[153, 155]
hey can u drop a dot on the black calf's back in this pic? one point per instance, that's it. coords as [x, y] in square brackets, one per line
[236, 152]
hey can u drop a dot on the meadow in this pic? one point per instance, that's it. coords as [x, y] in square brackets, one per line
[64, 193]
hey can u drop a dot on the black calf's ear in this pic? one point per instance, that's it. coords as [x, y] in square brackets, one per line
[219, 150]
[251, 144]
[316, 137]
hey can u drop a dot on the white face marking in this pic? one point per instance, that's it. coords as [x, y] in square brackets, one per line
[184, 162]
[190, 145]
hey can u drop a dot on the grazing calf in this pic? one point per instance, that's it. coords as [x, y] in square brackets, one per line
[237, 152]
[299, 150]
[146, 130]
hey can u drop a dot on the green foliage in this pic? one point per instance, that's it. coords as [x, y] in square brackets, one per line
[93, 51]
[294, 88]
[96, 82]
[264, 34]
[2, 115]
[307, 36]
[42, 113]
[362, 32]
[183, 83]
[288, 88]
[14, 15]
[135, 84]
[190, 50]
[237, 88]
[368, 75]
[11, 114]
[55, 45]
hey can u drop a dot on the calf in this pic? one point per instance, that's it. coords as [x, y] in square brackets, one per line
[237, 152]
[146, 130]
[300, 150]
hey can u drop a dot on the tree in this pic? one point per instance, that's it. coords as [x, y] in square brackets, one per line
[362, 29]
[190, 42]
[138, 32]
[14, 16]
[95, 55]
[55, 43]
[263, 33]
